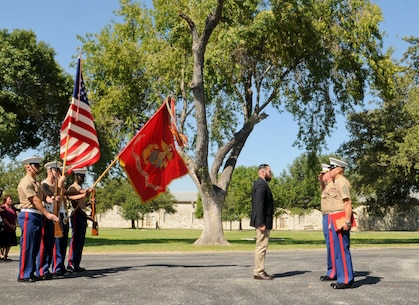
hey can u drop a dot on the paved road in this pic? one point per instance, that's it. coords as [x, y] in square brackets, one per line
[383, 276]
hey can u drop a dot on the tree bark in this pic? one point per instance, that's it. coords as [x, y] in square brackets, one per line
[213, 233]
[212, 196]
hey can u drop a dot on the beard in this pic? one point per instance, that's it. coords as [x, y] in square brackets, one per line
[268, 178]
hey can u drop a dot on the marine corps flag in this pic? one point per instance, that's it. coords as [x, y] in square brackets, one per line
[150, 159]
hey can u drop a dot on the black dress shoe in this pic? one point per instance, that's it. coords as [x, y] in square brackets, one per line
[326, 278]
[263, 276]
[341, 286]
[29, 280]
[59, 273]
[46, 276]
[32, 279]
[75, 269]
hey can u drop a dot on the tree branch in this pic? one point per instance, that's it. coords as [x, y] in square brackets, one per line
[199, 43]
[235, 145]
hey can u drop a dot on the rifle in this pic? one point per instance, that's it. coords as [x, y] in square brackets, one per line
[92, 216]
[58, 231]
[95, 226]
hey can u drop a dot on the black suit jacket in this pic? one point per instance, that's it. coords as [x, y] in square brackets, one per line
[262, 205]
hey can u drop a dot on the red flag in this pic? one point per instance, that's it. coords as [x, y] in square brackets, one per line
[79, 130]
[150, 159]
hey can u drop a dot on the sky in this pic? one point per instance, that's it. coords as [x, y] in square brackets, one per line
[59, 22]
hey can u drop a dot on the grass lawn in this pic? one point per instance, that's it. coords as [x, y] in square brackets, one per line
[181, 240]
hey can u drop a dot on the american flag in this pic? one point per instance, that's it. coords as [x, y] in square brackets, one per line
[79, 146]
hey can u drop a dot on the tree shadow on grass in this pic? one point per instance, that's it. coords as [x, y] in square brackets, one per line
[290, 241]
[370, 241]
[95, 241]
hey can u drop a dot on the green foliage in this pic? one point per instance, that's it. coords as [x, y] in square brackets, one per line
[384, 143]
[287, 55]
[238, 203]
[10, 176]
[298, 190]
[199, 210]
[314, 59]
[118, 191]
[34, 93]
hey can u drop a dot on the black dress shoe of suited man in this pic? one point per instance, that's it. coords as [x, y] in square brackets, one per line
[326, 278]
[263, 276]
[341, 286]
[32, 279]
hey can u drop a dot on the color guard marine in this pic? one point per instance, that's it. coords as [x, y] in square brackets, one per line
[50, 196]
[78, 219]
[30, 219]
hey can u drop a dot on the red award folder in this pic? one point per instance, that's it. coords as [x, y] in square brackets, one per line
[339, 220]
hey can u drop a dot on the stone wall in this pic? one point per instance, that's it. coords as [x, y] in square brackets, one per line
[392, 221]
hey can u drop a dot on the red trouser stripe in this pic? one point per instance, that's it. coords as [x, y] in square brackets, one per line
[42, 250]
[332, 246]
[23, 248]
[342, 250]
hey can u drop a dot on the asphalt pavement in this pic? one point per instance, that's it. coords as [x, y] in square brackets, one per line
[382, 276]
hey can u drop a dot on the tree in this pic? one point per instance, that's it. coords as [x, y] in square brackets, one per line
[238, 203]
[384, 143]
[10, 176]
[119, 192]
[299, 188]
[228, 63]
[34, 93]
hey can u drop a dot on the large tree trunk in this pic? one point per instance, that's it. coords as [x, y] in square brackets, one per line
[213, 233]
[212, 202]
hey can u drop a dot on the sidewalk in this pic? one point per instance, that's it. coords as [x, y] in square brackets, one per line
[383, 276]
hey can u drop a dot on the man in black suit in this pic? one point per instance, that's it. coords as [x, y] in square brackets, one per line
[262, 219]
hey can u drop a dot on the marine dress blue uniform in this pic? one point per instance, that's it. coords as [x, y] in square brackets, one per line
[60, 246]
[339, 260]
[78, 222]
[30, 222]
[44, 260]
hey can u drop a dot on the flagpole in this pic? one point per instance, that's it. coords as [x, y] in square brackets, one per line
[175, 131]
[67, 140]
[65, 153]
[116, 159]
[169, 109]
[104, 173]
[79, 85]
